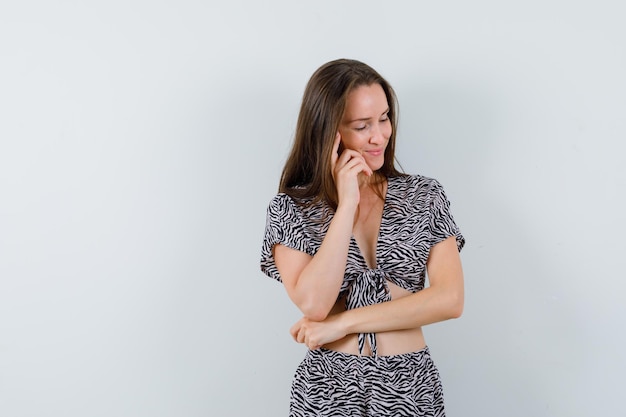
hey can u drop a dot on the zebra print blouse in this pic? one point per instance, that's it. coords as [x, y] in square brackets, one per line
[416, 216]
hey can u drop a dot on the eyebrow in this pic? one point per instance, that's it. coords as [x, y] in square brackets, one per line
[364, 119]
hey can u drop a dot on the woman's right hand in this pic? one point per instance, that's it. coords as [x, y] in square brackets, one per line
[346, 169]
[313, 282]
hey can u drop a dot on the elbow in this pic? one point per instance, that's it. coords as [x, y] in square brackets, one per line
[310, 306]
[314, 312]
[455, 306]
[313, 309]
[316, 316]
[456, 312]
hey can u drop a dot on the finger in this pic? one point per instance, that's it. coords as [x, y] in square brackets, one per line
[313, 344]
[295, 329]
[335, 153]
[348, 155]
[366, 168]
[336, 143]
[369, 171]
[301, 336]
[357, 165]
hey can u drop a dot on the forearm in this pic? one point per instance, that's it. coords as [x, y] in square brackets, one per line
[319, 283]
[442, 300]
[428, 306]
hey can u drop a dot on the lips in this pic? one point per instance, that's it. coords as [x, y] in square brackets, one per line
[375, 152]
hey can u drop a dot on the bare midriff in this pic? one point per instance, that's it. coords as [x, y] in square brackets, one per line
[388, 343]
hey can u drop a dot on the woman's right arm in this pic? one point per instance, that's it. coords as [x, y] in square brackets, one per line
[313, 282]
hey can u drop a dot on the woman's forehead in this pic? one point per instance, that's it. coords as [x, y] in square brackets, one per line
[366, 101]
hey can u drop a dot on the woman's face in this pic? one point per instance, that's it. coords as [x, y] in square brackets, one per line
[366, 127]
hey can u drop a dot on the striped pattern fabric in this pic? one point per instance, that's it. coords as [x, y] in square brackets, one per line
[329, 383]
[416, 216]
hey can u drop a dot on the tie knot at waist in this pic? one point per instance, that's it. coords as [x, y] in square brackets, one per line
[367, 287]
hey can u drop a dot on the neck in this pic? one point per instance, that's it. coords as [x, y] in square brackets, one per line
[372, 188]
[373, 181]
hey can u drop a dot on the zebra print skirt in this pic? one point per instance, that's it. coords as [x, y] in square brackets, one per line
[329, 383]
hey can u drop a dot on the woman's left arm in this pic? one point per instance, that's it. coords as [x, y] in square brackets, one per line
[442, 300]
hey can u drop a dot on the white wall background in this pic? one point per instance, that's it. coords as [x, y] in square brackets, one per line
[141, 142]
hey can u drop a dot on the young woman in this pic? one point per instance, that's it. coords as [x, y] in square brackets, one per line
[351, 238]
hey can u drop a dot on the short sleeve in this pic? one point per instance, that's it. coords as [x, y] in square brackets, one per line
[442, 224]
[284, 224]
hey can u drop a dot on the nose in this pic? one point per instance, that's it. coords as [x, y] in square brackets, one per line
[378, 135]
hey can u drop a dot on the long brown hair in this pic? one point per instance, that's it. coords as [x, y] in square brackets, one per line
[307, 172]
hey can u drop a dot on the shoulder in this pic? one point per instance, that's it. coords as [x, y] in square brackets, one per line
[415, 186]
[282, 206]
[417, 180]
[288, 207]
[281, 200]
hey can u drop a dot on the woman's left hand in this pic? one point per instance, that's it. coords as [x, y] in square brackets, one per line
[315, 334]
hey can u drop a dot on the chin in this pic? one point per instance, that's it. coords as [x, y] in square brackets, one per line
[376, 165]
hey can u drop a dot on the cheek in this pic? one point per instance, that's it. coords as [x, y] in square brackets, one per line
[387, 130]
[353, 140]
